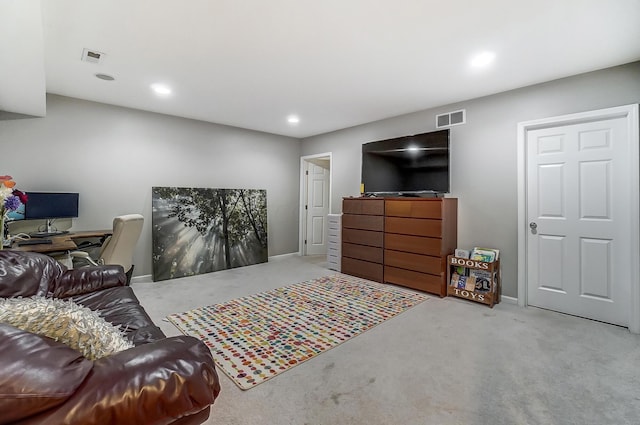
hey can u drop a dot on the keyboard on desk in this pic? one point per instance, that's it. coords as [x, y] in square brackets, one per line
[48, 234]
[37, 241]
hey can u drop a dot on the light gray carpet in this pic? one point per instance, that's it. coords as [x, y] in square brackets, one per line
[445, 361]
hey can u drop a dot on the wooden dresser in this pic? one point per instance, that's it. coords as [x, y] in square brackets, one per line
[403, 241]
[363, 237]
[418, 236]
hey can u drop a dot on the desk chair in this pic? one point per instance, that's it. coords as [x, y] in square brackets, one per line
[118, 248]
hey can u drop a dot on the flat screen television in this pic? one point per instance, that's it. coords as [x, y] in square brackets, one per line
[415, 165]
[49, 206]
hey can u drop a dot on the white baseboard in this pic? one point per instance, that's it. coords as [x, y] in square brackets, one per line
[142, 279]
[147, 278]
[509, 300]
[283, 256]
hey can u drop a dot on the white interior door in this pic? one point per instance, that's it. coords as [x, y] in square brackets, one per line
[579, 241]
[317, 207]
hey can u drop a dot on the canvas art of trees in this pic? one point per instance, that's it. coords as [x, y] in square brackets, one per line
[201, 230]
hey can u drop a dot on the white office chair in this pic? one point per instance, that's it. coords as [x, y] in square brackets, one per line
[117, 248]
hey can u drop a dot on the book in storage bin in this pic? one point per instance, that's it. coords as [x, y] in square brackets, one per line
[482, 276]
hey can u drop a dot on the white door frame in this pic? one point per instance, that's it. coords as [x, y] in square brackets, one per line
[630, 113]
[304, 166]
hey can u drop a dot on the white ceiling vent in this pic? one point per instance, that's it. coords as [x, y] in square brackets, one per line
[92, 56]
[451, 118]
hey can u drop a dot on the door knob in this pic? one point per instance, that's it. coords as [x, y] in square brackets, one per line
[533, 226]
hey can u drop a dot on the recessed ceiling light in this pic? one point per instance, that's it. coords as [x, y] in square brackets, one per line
[482, 59]
[105, 77]
[293, 119]
[161, 89]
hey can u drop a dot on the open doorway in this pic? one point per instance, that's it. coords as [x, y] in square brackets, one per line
[315, 203]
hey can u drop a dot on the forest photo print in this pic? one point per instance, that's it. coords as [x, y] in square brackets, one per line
[200, 230]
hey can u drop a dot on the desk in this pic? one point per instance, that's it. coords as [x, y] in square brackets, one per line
[66, 242]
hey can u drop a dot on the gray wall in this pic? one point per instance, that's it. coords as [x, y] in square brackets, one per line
[113, 156]
[483, 151]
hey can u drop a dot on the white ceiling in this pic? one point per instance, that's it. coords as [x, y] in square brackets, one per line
[334, 63]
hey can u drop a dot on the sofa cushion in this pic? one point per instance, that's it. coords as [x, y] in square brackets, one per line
[27, 275]
[37, 373]
[120, 307]
[65, 321]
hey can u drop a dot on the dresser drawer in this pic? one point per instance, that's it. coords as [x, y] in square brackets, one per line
[420, 281]
[415, 244]
[333, 262]
[334, 245]
[334, 219]
[333, 256]
[362, 252]
[363, 206]
[363, 237]
[334, 226]
[363, 222]
[413, 226]
[363, 269]
[414, 209]
[415, 262]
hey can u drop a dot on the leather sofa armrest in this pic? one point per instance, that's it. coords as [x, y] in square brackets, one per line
[154, 383]
[88, 279]
[38, 373]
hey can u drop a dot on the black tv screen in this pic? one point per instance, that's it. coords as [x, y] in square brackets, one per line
[50, 205]
[408, 165]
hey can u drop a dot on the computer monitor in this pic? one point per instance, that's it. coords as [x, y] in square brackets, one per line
[49, 206]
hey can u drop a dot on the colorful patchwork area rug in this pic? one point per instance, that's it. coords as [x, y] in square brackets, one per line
[257, 337]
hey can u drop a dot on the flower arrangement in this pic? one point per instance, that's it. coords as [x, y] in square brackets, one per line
[10, 197]
[10, 200]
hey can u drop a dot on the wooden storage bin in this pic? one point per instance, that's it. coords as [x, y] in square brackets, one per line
[490, 297]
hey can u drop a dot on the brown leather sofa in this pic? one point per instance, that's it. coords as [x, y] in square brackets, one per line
[159, 381]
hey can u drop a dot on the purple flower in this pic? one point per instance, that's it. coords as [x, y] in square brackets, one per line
[12, 203]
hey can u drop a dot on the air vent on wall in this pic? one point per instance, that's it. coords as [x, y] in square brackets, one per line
[92, 56]
[451, 118]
